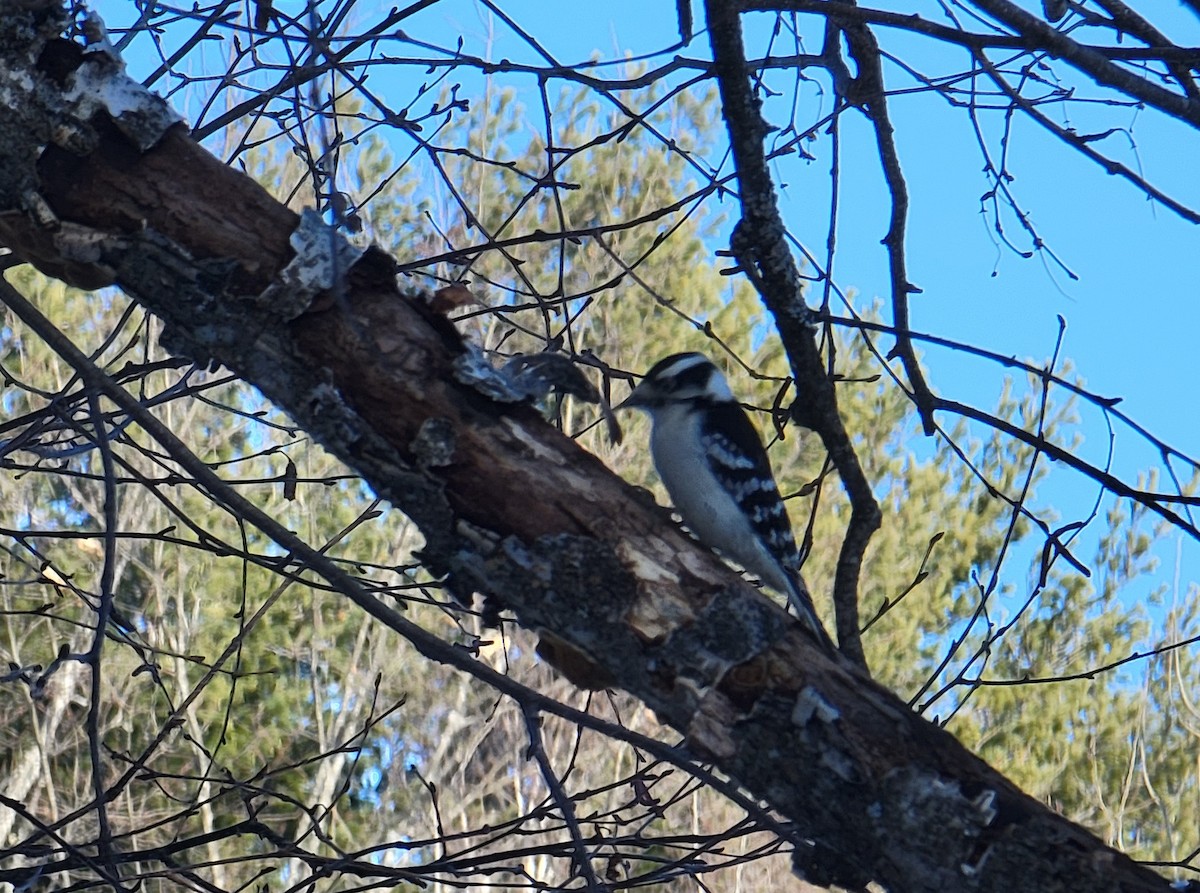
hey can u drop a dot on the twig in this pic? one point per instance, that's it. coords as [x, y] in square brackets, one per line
[869, 94]
[537, 749]
[95, 653]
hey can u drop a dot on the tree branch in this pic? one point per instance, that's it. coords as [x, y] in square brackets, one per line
[869, 93]
[1029, 33]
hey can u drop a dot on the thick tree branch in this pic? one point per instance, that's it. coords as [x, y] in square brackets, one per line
[507, 504]
[1041, 35]
[1126, 19]
[1030, 33]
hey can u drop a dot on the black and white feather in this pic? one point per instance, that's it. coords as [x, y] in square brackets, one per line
[713, 464]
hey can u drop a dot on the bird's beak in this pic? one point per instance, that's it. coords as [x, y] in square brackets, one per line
[636, 398]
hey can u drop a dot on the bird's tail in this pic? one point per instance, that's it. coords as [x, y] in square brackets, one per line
[802, 603]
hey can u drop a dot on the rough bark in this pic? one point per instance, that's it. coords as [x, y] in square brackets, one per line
[508, 505]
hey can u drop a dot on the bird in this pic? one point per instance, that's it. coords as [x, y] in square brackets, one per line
[711, 460]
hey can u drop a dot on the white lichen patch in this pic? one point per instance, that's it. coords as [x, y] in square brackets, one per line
[811, 705]
[474, 369]
[322, 257]
[103, 85]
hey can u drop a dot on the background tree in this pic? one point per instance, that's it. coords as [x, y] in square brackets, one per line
[269, 727]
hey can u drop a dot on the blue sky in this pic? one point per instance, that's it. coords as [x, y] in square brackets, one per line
[1131, 315]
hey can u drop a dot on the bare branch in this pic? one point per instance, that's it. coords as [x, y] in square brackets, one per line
[762, 250]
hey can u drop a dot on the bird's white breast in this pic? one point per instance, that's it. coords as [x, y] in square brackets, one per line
[705, 506]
